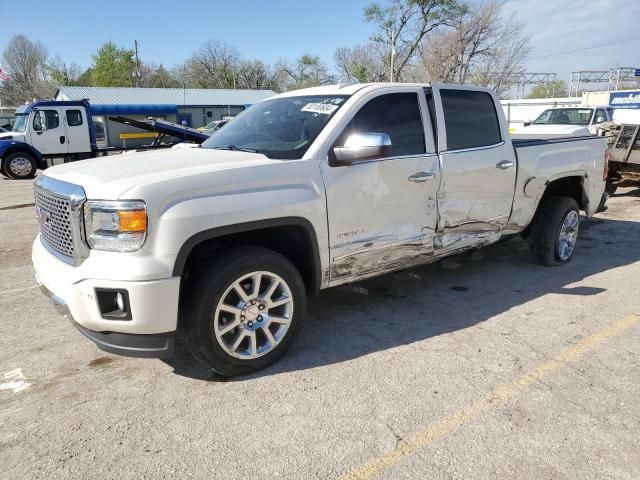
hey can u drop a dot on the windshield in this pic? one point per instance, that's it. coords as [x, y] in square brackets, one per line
[565, 116]
[282, 128]
[20, 124]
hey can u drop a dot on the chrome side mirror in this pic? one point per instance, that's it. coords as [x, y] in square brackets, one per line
[363, 146]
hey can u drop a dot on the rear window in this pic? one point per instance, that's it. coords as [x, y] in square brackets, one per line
[74, 118]
[470, 119]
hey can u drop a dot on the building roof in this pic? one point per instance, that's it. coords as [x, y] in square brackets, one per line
[175, 96]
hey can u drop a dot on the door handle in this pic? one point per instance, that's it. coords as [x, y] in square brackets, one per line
[62, 139]
[504, 164]
[420, 177]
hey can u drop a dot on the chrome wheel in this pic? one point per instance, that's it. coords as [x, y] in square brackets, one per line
[20, 166]
[568, 235]
[253, 315]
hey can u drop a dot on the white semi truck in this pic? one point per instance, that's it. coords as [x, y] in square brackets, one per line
[48, 132]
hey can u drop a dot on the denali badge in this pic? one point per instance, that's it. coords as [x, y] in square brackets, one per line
[42, 215]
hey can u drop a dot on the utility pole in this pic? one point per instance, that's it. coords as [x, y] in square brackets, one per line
[393, 53]
[136, 74]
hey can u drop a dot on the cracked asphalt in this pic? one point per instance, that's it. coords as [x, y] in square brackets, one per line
[485, 366]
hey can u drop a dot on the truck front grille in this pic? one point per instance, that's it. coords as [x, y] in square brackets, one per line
[54, 220]
[59, 214]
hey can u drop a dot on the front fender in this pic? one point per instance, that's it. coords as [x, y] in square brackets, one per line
[9, 146]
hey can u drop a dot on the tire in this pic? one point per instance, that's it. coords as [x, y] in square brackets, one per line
[20, 166]
[610, 188]
[2, 168]
[554, 224]
[226, 332]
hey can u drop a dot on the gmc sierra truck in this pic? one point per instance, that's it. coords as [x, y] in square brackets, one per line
[220, 245]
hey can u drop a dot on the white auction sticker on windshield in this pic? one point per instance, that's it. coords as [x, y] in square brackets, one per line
[324, 108]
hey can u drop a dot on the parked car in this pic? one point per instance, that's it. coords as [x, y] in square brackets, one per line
[307, 190]
[211, 127]
[568, 121]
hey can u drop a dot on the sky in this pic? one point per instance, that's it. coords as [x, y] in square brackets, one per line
[169, 31]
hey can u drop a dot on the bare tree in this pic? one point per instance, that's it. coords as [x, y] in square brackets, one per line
[403, 24]
[362, 63]
[24, 62]
[255, 74]
[213, 65]
[307, 71]
[61, 73]
[480, 47]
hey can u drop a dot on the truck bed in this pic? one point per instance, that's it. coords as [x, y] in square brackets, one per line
[523, 140]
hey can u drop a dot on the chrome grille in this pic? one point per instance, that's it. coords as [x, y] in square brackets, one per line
[59, 209]
[54, 219]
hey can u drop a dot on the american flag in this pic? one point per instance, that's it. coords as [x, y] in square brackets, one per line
[3, 76]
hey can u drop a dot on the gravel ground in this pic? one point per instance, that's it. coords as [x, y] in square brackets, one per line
[483, 367]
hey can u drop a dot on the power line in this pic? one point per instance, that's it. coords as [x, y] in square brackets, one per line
[586, 48]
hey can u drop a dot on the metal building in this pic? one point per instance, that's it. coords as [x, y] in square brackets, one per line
[187, 106]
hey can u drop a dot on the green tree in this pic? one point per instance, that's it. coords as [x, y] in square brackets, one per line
[112, 66]
[557, 88]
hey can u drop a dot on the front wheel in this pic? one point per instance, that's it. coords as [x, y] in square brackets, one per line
[554, 231]
[19, 166]
[243, 311]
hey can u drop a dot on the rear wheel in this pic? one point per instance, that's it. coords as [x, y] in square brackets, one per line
[243, 311]
[20, 166]
[554, 231]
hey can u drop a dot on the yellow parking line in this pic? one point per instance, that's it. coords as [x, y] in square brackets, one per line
[497, 397]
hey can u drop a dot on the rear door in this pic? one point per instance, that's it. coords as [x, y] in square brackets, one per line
[478, 165]
[53, 139]
[76, 121]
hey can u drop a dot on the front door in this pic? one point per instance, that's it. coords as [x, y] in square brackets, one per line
[53, 139]
[478, 167]
[382, 212]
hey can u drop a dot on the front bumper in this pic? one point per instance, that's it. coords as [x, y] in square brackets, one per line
[159, 345]
[154, 307]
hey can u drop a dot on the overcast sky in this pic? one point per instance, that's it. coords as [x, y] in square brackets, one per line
[169, 31]
[556, 27]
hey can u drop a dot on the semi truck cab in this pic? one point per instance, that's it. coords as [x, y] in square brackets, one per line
[46, 133]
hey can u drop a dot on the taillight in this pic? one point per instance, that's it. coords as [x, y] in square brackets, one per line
[607, 157]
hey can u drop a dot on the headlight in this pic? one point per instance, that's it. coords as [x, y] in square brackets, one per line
[118, 226]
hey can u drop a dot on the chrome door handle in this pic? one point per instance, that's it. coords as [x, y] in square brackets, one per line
[504, 164]
[420, 177]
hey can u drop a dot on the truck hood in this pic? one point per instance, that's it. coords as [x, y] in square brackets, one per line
[14, 136]
[109, 177]
[554, 130]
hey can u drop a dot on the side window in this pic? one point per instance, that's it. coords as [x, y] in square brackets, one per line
[52, 118]
[599, 116]
[610, 112]
[470, 119]
[396, 114]
[74, 118]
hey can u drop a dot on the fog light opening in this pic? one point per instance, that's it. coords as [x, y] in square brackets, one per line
[113, 304]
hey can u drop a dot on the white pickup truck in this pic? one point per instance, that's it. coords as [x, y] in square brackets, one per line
[568, 121]
[306, 190]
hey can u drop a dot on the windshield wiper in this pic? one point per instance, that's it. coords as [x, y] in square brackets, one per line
[236, 149]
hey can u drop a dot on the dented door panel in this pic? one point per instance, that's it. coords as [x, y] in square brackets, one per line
[388, 222]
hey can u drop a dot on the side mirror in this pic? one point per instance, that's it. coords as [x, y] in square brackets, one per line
[599, 119]
[363, 146]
